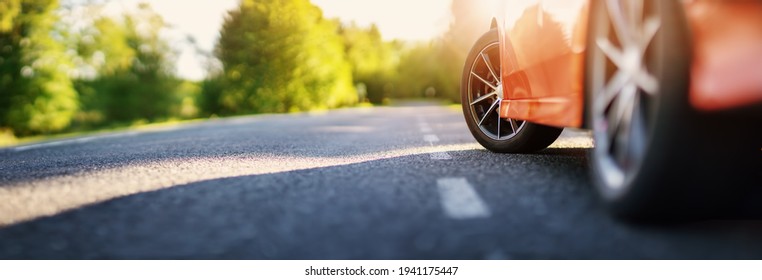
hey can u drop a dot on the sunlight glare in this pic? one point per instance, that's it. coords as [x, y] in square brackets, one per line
[417, 20]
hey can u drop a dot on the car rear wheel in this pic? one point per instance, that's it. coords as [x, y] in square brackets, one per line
[481, 96]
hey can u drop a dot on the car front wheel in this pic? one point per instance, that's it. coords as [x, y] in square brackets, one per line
[481, 96]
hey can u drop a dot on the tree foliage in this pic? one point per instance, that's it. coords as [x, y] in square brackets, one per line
[417, 71]
[467, 24]
[374, 61]
[279, 56]
[435, 68]
[128, 68]
[272, 56]
[9, 10]
[37, 94]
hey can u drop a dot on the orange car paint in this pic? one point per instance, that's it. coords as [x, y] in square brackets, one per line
[544, 43]
[727, 62]
[543, 48]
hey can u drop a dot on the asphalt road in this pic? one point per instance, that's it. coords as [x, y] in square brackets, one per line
[381, 183]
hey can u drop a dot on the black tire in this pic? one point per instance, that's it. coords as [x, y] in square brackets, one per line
[660, 177]
[496, 134]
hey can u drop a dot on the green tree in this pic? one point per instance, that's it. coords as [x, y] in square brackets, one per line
[281, 56]
[417, 71]
[212, 89]
[434, 69]
[131, 69]
[37, 94]
[374, 62]
[9, 10]
[467, 24]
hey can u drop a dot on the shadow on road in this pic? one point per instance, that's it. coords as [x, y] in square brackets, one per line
[342, 133]
[542, 208]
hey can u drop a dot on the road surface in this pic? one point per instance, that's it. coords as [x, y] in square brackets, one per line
[374, 183]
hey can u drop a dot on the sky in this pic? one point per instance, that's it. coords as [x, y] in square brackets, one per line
[411, 20]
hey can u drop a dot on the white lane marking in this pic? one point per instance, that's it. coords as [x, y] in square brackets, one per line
[459, 199]
[436, 155]
[431, 138]
[440, 156]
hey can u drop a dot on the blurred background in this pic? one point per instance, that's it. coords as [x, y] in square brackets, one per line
[69, 66]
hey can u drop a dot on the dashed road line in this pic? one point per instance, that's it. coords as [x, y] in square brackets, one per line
[440, 156]
[423, 126]
[459, 199]
[431, 138]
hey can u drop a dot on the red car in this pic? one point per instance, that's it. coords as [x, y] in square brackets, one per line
[672, 91]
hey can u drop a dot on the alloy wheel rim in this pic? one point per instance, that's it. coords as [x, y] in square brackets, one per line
[624, 88]
[485, 87]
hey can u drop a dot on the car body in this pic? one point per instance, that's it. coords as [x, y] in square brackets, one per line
[726, 70]
[658, 82]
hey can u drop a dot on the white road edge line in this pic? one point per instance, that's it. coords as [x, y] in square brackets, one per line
[70, 141]
[53, 144]
[459, 199]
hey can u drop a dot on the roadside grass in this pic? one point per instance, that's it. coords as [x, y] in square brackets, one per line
[455, 107]
[7, 139]
[416, 101]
